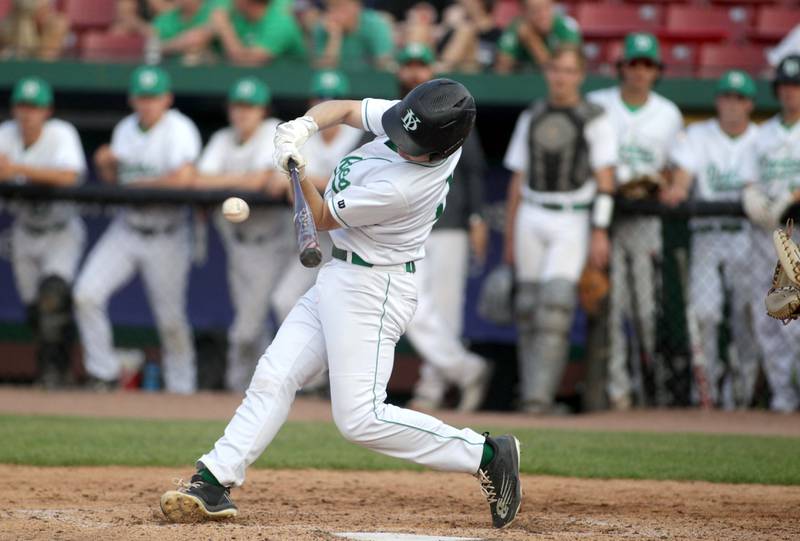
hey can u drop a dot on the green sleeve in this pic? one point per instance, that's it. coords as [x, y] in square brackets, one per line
[509, 42]
[380, 36]
[165, 26]
[282, 36]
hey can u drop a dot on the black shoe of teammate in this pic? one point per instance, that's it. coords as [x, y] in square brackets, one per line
[197, 501]
[500, 481]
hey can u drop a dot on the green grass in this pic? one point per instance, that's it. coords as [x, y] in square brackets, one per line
[73, 441]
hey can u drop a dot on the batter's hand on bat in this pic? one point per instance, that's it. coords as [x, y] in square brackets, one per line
[289, 138]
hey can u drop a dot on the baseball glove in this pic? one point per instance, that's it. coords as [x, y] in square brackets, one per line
[593, 288]
[642, 187]
[783, 298]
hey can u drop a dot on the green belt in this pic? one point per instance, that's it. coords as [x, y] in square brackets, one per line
[559, 206]
[356, 259]
[729, 228]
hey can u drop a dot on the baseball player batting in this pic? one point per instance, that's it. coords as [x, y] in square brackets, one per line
[380, 205]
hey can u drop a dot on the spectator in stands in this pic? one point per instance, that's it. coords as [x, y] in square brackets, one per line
[353, 36]
[532, 37]
[183, 29]
[34, 28]
[562, 156]
[47, 238]
[645, 125]
[254, 32]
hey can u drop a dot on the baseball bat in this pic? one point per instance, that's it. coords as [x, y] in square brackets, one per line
[304, 227]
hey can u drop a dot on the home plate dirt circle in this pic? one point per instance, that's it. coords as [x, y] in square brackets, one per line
[389, 536]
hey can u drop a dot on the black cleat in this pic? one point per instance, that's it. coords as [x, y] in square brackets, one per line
[198, 501]
[500, 481]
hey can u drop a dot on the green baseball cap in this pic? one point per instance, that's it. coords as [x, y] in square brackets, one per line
[415, 52]
[250, 91]
[32, 91]
[736, 82]
[641, 45]
[149, 81]
[330, 84]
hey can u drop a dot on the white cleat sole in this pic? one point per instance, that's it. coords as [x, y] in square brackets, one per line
[180, 507]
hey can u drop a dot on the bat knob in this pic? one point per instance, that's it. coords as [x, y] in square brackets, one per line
[311, 257]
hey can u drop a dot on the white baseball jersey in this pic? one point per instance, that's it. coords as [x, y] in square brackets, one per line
[174, 141]
[644, 135]
[58, 147]
[599, 135]
[778, 156]
[224, 154]
[386, 205]
[721, 164]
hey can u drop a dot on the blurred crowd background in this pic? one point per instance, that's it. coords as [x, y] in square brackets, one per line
[178, 299]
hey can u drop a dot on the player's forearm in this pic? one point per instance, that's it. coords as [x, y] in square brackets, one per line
[335, 112]
[330, 56]
[504, 63]
[191, 40]
[179, 178]
[43, 175]
[605, 180]
[681, 180]
[251, 56]
[514, 197]
[319, 208]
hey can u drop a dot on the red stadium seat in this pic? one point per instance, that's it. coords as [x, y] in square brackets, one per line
[774, 22]
[716, 59]
[701, 23]
[5, 8]
[101, 46]
[90, 14]
[616, 20]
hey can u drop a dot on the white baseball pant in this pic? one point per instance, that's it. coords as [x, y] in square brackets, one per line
[350, 321]
[254, 268]
[36, 256]
[163, 261]
[636, 241]
[435, 330]
[780, 344]
[715, 254]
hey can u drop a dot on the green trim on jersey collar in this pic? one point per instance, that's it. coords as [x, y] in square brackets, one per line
[632, 108]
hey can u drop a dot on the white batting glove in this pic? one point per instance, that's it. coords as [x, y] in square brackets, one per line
[296, 131]
[286, 151]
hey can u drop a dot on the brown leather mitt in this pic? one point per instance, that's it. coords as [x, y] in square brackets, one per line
[642, 187]
[783, 298]
[592, 289]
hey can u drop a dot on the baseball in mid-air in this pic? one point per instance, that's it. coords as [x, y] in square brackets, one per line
[235, 209]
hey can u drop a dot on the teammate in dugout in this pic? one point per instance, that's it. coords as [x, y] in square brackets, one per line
[435, 330]
[645, 125]
[259, 249]
[380, 205]
[714, 161]
[152, 148]
[777, 155]
[47, 239]
[562, 154]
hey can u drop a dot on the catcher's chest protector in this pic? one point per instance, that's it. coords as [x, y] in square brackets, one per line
[559, 152]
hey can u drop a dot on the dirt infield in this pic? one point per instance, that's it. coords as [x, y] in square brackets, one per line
[122, 503]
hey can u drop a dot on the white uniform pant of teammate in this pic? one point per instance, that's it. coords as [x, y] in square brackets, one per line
[36, 256]
[718, 255]
[163, 261]
[635, 247]
[350, 321]
[435, 330]
[780, 344]
[255, 266]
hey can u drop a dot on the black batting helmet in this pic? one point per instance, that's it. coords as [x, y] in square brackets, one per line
[787, 72]
[434, 118]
